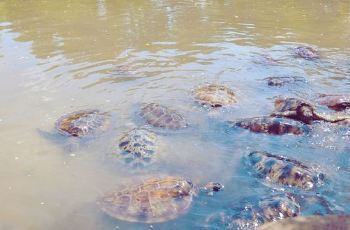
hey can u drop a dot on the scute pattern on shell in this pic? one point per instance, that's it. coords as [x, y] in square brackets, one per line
[270, 125]
[153, 201]
[162, 117]
[138, 147]
[306, 52]
[214, 95]
[282, 170]
[248, 215]
[83, 123]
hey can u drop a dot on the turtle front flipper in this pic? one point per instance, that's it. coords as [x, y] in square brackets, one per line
[211, 187]
[332, 118]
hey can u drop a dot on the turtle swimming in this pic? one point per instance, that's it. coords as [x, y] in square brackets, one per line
[250, 213]
[278, 81]
[271, 125]
[214, 95]
[161, 116]
[306, 52]
[335, 102]
[83, 123]
[138, 147]
[153, 201]
[303, 111]
[283, 170]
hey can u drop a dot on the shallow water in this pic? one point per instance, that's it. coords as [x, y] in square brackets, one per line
[61, 56]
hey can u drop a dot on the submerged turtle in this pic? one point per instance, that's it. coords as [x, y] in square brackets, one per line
[214, 95]
[284, 171]
[83, 123]
[335, 102]
[162, 117]
[332, 222]
[271, 125]
[138, 147]
[153, 201]
[265, 60]
[303, 111]
[306, 52]
[281, 81]
[249, 215]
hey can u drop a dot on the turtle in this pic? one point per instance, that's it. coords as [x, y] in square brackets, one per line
[306, 52]
[249, 213]
[335, 102]
[271, 125]
[78, 127]
[156, 200]
[161, 116]
[303, 111]
[265, 60]
[138, 147]
[214, 95]
[83, 123]
[284, 171]
[278, 81]
[331, 222]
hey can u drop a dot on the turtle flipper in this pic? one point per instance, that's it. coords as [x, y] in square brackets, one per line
[332, 118]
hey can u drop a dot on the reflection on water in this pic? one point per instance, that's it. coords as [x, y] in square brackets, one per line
[61, 56]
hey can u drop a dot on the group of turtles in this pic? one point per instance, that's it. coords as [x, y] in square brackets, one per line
[163, 198]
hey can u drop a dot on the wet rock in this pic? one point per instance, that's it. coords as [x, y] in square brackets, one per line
[307, 52]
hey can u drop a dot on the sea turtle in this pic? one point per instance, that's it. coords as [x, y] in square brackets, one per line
[332, 222]
[306, 52]
[249, 213]
[162, 117]
[83, 123]
[279, 81]
[335, 102]
[303, 111]
[214, 95]
[265, 60]
[137, 147]
[271, 125]
[283, 170]
[153, 201]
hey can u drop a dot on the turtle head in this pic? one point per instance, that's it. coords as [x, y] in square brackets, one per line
[213, 187]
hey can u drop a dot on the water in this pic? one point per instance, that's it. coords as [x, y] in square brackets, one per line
[61, 56]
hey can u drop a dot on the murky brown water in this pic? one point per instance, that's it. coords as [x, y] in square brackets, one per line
[60, 56]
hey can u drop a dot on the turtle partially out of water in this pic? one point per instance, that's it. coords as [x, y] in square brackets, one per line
[214, 95]
[249, 215]
[283, 170]
[303, 111]
[153, 201]
[332, 222]
[306, 52]
[138, 147]
[335, 102]
[83, 123]
[162, 117]
[283, 80]
[271, 125]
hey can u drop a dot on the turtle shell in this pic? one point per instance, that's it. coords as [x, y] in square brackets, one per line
[250, 213]
[306, 52]
[335, 102]
[162, 117]
[279, 81]
[334, 222]
[83, 123]
[138, 147]
[153, 201]
[271, 125]
[214, 95]
[282, 170]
